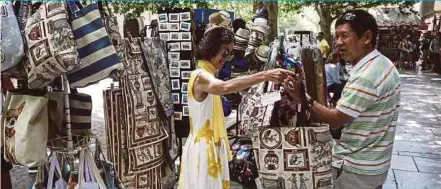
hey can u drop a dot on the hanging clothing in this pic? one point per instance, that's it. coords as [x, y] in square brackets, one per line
[206, 153]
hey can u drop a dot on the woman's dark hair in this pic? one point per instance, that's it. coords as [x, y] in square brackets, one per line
[360, 21]
[212, 42]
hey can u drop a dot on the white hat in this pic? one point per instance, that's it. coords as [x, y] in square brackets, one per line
[242, 35]
[262, 53]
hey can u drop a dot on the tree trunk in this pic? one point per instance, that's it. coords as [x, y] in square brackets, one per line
[325, 21]
[273, 10]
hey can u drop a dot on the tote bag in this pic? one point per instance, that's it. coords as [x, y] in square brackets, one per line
[25, 128]
[294, 157]
[51, 46]
[11, 46]
[98, 55]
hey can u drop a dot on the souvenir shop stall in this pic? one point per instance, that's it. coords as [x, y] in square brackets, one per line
[55, 48]
[393, 27]
[275, 143]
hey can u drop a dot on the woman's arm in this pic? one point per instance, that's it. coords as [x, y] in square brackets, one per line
[209, 84]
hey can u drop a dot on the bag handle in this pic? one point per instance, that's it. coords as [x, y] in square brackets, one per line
[102, 6]
[53, 166]
[74, 6]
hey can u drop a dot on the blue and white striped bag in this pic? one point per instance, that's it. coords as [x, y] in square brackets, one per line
[97, 53]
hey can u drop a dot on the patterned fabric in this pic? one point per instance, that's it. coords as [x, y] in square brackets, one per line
[206, 152]
[372, 97]
[294, 157]
[98, 56]
[253, 114]
[11, 49]
[135, 128]
[156, 56]
[51, 44]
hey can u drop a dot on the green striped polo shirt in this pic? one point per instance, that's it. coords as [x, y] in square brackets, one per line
[372, 97]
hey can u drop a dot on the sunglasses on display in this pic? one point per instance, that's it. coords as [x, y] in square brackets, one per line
[227, 55]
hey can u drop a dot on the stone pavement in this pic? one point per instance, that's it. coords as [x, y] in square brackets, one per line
[416, 160]
[416, 163]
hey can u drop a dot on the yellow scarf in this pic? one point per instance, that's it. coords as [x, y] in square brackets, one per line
[218, 119]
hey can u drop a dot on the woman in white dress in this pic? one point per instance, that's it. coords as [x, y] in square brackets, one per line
[206, 153]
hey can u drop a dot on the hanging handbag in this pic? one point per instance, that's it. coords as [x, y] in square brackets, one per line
[98, 55]
[25, 128]
[155, 54]
[89, 170]
[51, 46]
[80, 111]
[11, 47]
[55, 166]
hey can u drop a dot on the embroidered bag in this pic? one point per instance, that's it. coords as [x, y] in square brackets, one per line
[51, 46]
[11, 46]
[98, 55]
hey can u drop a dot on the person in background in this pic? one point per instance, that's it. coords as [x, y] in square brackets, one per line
[206, 152]
[323, 45]
[405, 48]
[239, 23]
[367, 110]
[425, 48]
[343, 72]
[435, 46]
[333, 83]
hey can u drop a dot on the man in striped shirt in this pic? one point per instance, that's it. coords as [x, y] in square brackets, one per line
[367, 110]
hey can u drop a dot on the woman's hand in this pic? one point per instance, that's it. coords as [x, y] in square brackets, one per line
[277, 75]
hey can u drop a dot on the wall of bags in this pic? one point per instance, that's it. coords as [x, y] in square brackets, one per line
[84, 43]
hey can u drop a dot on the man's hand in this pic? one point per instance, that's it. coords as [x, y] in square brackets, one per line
[292, 86]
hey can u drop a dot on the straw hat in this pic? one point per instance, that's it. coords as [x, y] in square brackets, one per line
[260, 25]
[262, 53]
[242, 35]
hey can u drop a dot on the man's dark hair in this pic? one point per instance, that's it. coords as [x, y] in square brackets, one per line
[212, 42]
[360, 21]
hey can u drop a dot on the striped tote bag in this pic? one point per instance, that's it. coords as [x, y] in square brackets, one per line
[98, 55]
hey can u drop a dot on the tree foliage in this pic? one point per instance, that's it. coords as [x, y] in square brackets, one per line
[134, 8]
[329, 11]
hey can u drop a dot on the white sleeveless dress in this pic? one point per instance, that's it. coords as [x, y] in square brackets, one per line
[204, 163]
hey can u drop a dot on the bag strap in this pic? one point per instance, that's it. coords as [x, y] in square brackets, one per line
[81, 170]
[94, 168]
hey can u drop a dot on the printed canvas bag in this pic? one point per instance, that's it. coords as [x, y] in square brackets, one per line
[294, 157]
[51, 46]
[11, 46]
[25, 128]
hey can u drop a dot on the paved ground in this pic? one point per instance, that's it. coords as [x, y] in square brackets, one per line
[416, 163]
